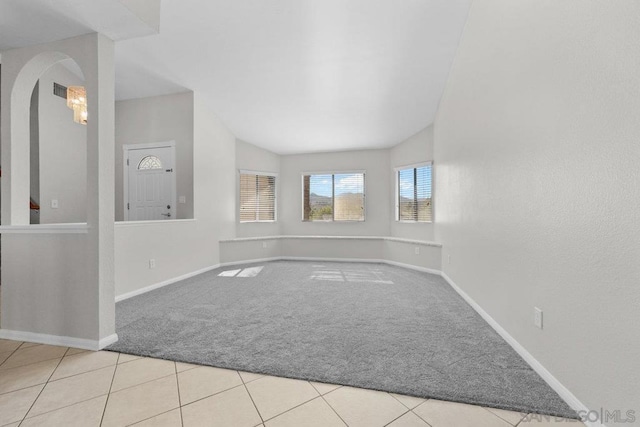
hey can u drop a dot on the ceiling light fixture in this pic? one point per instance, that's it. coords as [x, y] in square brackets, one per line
[77, 101]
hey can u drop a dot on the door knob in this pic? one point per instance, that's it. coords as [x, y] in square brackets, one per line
[167, 214]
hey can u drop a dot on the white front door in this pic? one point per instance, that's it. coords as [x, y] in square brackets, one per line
[151, 183]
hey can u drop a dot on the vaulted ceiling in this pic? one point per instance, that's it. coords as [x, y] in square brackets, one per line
[287, 75]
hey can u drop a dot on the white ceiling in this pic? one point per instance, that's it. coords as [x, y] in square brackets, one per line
[288, 75]
[28, 22]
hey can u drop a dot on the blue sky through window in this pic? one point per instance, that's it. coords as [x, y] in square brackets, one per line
[344, 183]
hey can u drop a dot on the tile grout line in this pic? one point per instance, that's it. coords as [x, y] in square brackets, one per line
[153, 416]
[251, 397]
[494, 414]
[399, 401]
[104, 410]
[12, 353]
[45, 386]
[85, 372]
[332, 408]
[418, 415]
[400, 416]
[175, 366]
[28, 364]
[291, 409]
[211, 395]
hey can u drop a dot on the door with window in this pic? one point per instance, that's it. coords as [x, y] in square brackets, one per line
[150, 186]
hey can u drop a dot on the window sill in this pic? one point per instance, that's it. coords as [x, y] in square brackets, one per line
[413, 222]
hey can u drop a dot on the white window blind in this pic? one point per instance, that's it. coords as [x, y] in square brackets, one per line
[333, 197]
[414, 194]
[257, 197]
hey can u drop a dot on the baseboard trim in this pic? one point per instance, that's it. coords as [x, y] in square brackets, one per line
[547, 376]
[107, 341]
[324, 259]
[58, 340]
[250, 261]
[158, 285]
[276, 258]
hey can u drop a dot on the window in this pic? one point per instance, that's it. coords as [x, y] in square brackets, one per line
[413, 187]
[257, 197]
[333, 197]
[149, 163]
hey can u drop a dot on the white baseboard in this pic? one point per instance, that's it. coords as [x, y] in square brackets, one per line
[58, 340]
[251, 261]
[553, 382]
[164, 283]
[414, 267]
[107, 341]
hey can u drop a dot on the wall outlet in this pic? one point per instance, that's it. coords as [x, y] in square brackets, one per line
[152, 263]
[537, 317]
[264, 245]
[448, 258]
[54, 204]
[417, 250]
[182, 199]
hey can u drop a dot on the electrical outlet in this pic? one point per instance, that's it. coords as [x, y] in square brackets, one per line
[152, 263]
[54, 204]
[264, 245]
[537, 317]
[417, 250]
[182, 199]
[448, 258]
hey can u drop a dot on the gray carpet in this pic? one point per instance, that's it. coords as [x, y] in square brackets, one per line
[367, 325]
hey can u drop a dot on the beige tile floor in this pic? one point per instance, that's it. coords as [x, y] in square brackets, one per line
[43, 385]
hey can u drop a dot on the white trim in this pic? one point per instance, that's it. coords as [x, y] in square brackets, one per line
[164, 283]
[71, 228]
[339, 172]
[125, 167]
[147, 145]
[251, 261]
[414, 165]
[119, 224]
[365, 260]
[547, 376]
[58, 340]
[385, 238]
[262, 173]
[107, 341]
[414, 267]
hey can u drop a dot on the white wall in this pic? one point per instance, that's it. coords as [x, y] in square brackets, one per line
[250, 157]
[62, 151]
[537, 195]
[158, 119]
[417, 149]
[61, 284]
[182, 247]
[375, 163]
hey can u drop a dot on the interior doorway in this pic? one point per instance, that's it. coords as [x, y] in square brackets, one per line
[149, 181]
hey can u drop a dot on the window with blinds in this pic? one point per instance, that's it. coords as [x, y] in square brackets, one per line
[257, 197]
[333, 197]
[413, 187]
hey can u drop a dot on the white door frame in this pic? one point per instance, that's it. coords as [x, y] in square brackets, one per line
[125, 183]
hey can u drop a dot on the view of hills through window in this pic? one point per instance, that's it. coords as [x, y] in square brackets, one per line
[414, 192]
[333, 197]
